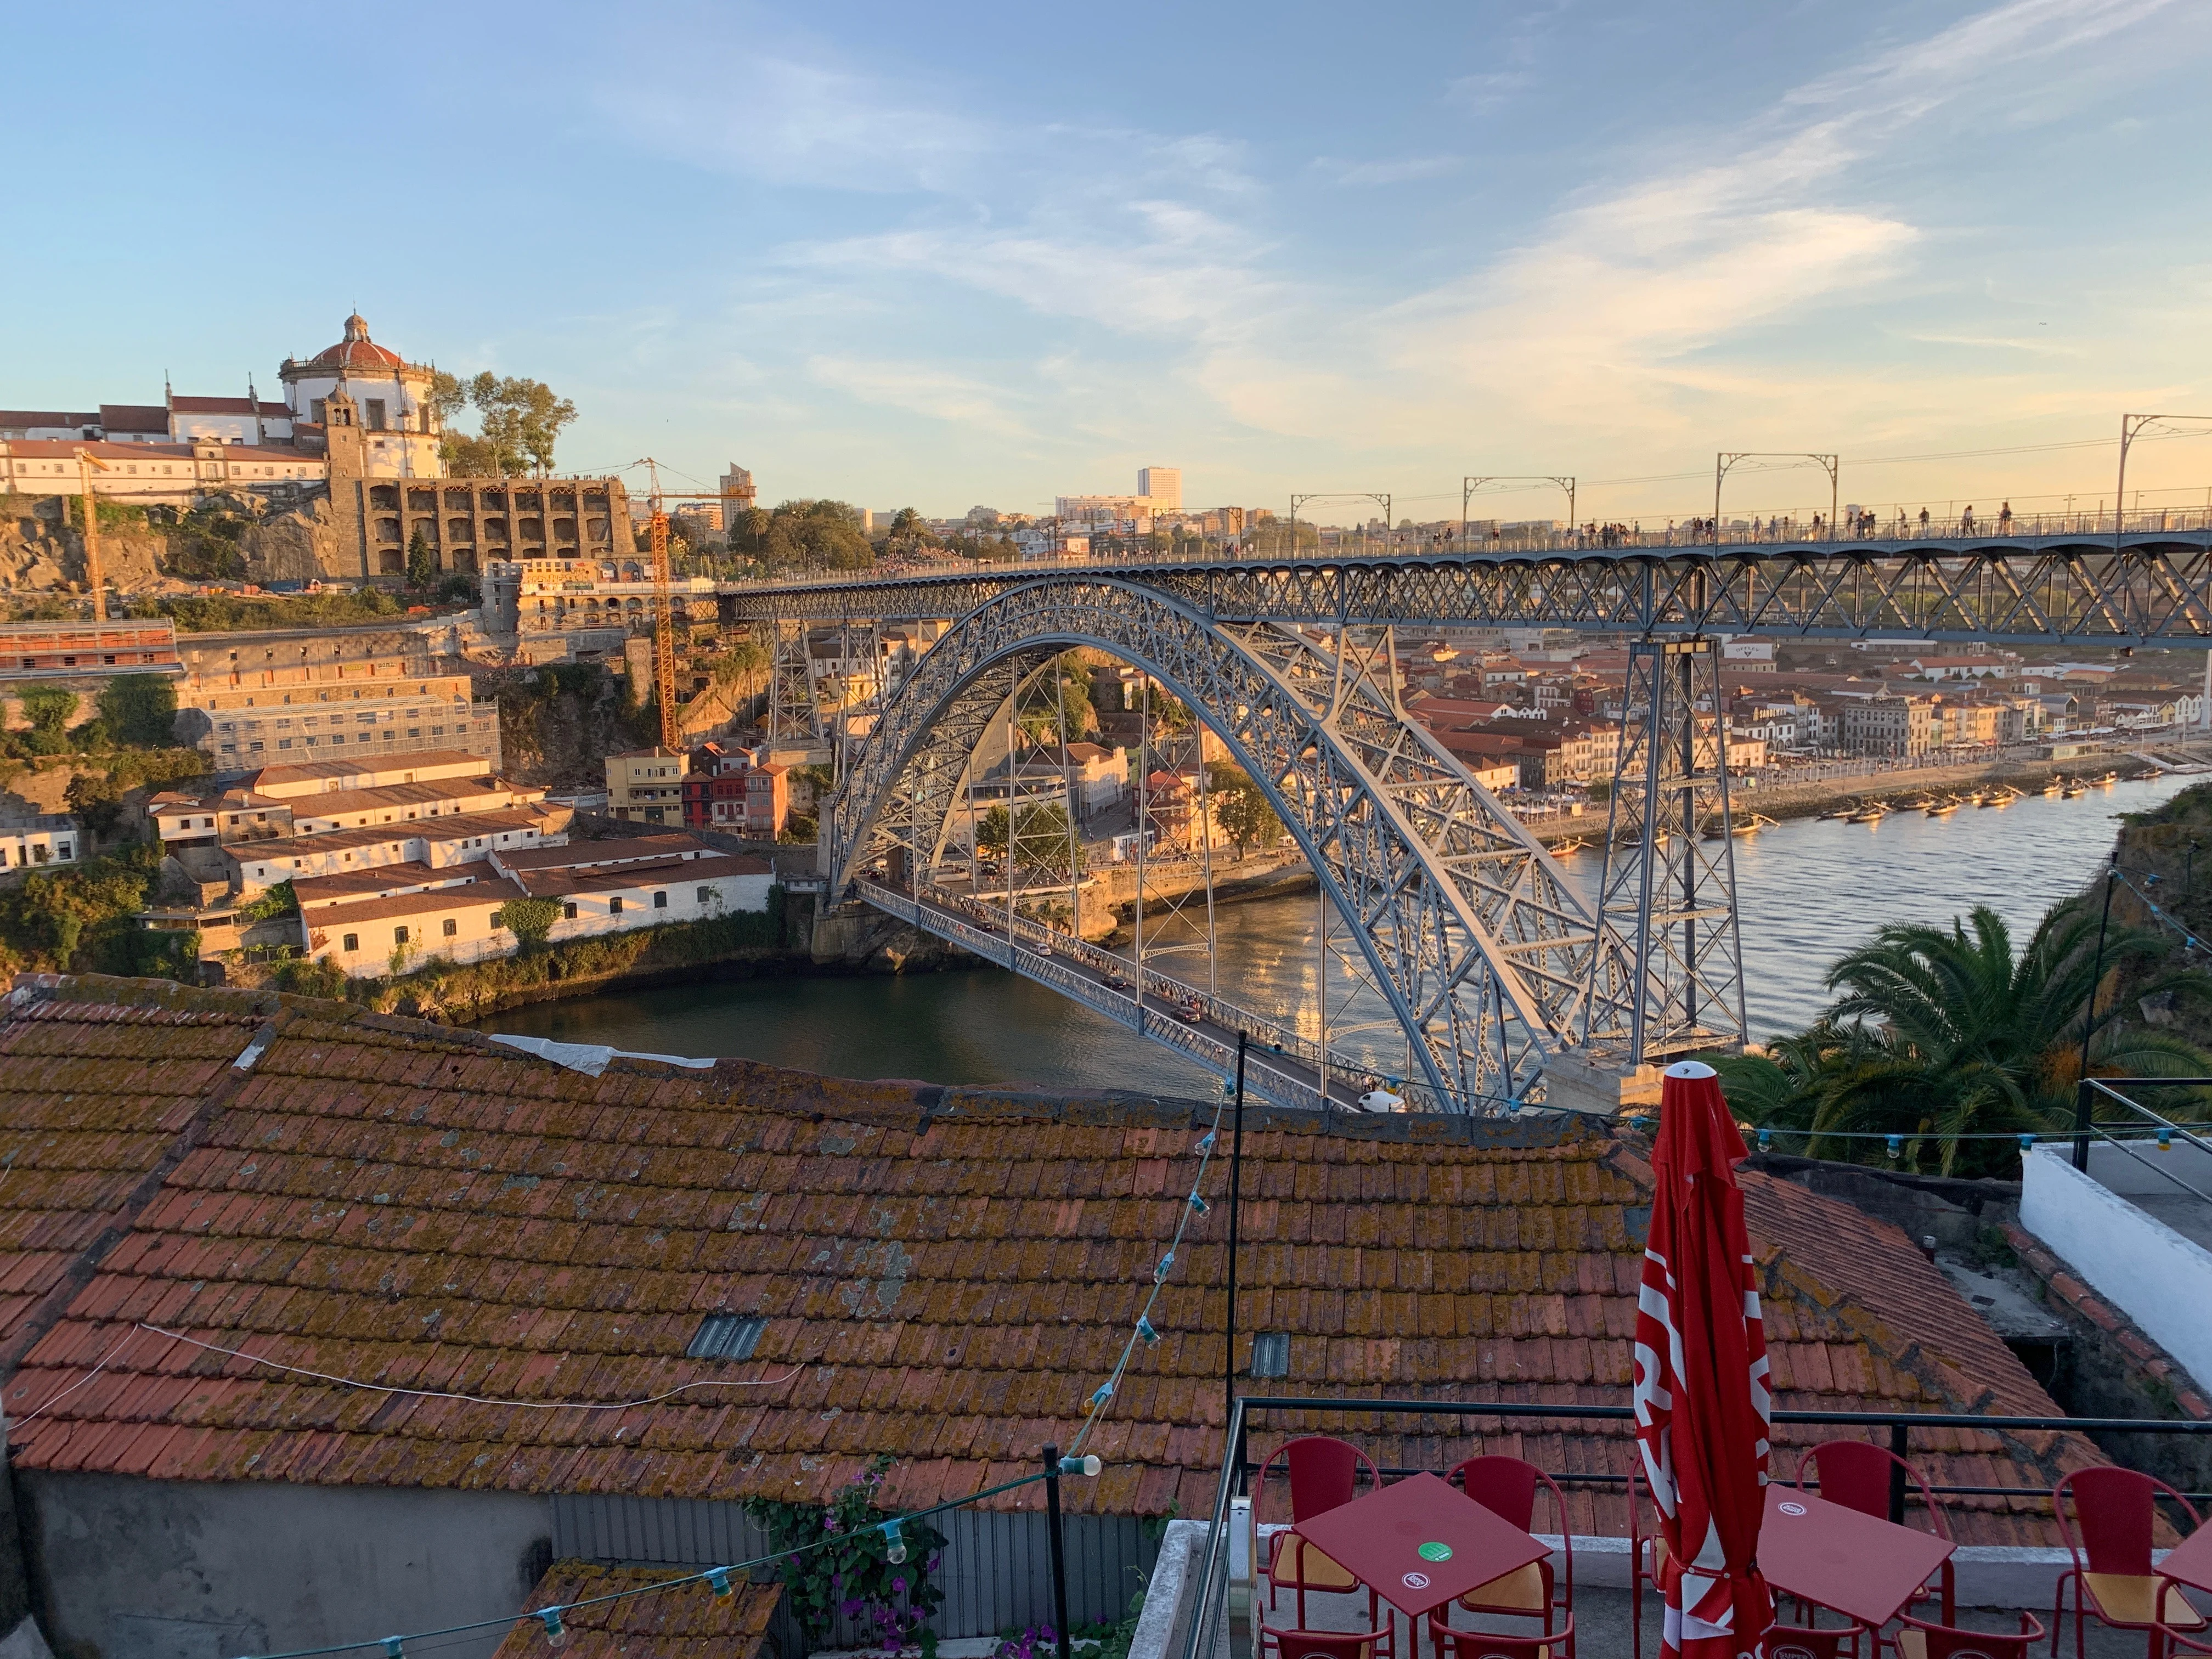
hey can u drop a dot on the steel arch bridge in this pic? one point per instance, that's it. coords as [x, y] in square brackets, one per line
[2141, 587]
[1491, 959]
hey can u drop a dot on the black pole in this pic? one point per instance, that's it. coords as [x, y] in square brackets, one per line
[1059, 1548]
[2089, 1025]
[1236, 1193]
[1898, 1444]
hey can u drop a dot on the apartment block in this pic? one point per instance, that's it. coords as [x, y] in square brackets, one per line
[334, 709]
[647, 785]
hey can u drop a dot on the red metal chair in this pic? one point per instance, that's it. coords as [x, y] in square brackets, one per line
[1323, 1474]
[1857, 1474]
[1453, 1643]
[1328, 1644]
[1918, 1639]
[1507, 1487]
[1813, 1641]
[2109, 1537]
[1647, 1556]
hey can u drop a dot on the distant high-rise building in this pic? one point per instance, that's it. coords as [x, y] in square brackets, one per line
[1162, 486]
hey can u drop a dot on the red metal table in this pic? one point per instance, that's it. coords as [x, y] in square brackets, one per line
[1420, 1542]
[1856, 1565]
[2189, 1562]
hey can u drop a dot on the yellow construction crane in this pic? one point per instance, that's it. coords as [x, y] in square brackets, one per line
[94, 578]
[664, 604]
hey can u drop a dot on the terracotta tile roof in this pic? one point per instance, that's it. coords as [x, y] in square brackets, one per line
[628, 849]
[445, 828]
[488, 894]
[421, 760]
[944, 1274]
[689, 1622]
[313, 891]
[623, 877]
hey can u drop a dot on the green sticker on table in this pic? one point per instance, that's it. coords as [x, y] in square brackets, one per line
[1434, 1551]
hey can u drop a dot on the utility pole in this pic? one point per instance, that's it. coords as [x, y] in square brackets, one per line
[94, 578]
[664, 618]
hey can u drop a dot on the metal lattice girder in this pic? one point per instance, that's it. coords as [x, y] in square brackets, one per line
[1667, 884]
[2155, 589]
[794, 714]
[1470, 930]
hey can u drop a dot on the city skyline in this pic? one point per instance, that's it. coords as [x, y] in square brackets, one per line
[865, 257]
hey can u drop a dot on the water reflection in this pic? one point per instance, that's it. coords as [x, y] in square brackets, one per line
[1810, 890]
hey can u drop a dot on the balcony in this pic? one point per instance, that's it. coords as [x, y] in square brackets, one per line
[1992, 1491]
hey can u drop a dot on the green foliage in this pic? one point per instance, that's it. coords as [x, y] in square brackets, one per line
[97, 800]
[421, 563]
[48, 708]
[804, 535]
[1240, 808]
[521, 420]
[139, 710]
[157, 768]
[457, 590]
[54, 915]
[1041, 843]
[530, 919]
[1942, 1032]
[310, 978]
[208, 613]
[277, 901]
[204, 541]
[851, 1576]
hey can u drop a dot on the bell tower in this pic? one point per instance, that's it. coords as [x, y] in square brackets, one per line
[342, 433]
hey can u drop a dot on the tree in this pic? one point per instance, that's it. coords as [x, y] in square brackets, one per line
[97, 800]
[530, 919]
[806, 535]
[421, 565]
[1041, 843]
[140, 710]
[1944, 1032]
[520, 422]
[48, 708]
[1239, 807]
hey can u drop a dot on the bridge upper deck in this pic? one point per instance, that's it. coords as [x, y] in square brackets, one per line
[2148, 584]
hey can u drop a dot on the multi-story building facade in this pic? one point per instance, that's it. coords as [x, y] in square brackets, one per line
[1892, 725]
[1162, 486]
[562, 606]
[334, 711]
[61, 650]
[647, 785]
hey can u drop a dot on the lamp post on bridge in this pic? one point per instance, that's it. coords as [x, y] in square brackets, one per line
[1471, 486]
[1727, 460]
[1297, 501]
[2131, 428]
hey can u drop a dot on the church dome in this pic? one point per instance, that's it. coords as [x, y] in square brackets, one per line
[355, 354]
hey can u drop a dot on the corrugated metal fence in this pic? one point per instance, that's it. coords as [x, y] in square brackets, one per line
[996, 1572]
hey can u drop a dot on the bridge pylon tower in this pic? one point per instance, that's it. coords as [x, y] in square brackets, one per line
[794, 713]
[1667, 886]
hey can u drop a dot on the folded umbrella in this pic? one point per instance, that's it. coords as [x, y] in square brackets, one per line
[1702, 1406]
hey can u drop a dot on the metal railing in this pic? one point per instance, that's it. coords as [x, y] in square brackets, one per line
[1210, 1595]
[1956, 531]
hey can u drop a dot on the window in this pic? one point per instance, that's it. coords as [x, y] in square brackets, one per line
[660, 901]
[569, 910]
[375, 416]
[1270, 1354]
[399, 936]
[352, 942]
[614, 907]
[452, 927]
[726, 1336]
[705, 895]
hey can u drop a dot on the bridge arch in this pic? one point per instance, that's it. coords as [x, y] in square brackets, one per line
[1486, 953]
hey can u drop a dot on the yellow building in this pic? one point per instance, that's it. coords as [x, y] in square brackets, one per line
[647, 785]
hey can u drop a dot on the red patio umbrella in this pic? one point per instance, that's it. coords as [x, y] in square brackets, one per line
[1702, 1406]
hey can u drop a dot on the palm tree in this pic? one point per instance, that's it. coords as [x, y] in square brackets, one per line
[1946, 1032]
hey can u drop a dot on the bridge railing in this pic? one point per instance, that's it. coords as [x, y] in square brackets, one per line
[1966, 529]
[1279, 1063]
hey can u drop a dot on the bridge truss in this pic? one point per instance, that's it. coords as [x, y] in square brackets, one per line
[2136, 588]
[1489, 958]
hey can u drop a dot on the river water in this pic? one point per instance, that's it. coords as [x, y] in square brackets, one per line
[1808, 891]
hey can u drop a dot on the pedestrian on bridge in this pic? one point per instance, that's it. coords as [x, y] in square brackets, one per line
[2004, 519]
[1923, 520]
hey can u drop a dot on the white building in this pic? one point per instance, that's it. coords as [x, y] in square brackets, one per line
[44, 838]
[392, 395]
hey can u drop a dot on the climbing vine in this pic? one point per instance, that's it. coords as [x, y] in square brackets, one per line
[855, 1577]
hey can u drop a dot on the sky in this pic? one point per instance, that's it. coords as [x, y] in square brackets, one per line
[985, 253]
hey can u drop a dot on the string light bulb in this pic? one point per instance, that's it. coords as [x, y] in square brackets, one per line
[2027, 1143]
[1146, 1330]
[1765, 1139]
[1104, 1392]
[894, 1544]
[1089, 1465]
[395, 1647]
[719, 1578]
[1896, 1146]
[2165, 1140]
[1206, 1141]
[1167, 1266]
[556, 1633]
[1198, 1206]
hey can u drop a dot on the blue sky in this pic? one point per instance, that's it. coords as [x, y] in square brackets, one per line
[972, 252]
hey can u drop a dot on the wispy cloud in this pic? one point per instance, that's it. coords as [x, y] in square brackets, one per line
[1397, 171]
[921, 389]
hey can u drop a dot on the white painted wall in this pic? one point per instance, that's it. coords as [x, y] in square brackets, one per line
[2135, 1261]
